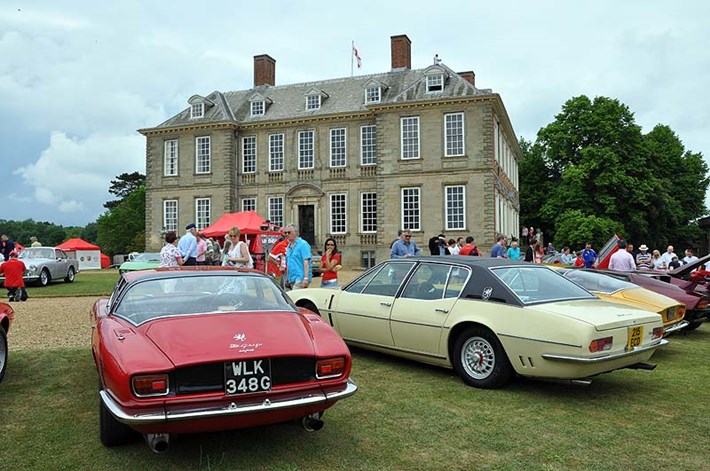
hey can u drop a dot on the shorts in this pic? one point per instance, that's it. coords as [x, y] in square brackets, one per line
[329, 283]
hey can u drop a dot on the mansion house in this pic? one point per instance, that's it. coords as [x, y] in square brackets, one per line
[353, 158]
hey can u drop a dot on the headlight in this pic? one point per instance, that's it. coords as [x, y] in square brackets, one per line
[32, 270]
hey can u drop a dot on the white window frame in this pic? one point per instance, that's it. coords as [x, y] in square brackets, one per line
[258, 108]
[203, 154]
[312, 102]
[338, 147]
[197, 110]
[434, 83]
[409, 133]
[249, 154]
[248, 204]
[170, 215]
[203, 210]
[455, 207]
[338, 205]
[276, 152]
[368, 212]
[276, 210]
[373, 95]
[306, 149]
[368, 145]
[411, 208]
[170, 158]
[454, 139]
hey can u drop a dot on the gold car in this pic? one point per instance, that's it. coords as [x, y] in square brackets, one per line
[613, 289]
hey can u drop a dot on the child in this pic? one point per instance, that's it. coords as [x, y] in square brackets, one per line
[13, 269]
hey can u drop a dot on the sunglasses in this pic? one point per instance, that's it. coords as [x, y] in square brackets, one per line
[287, 232]
[233, 237]
[407, 237]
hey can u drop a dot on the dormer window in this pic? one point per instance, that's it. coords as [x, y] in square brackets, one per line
[373, 94]
[435, 83]
[257, 108]
[313, 102]
[197, 110]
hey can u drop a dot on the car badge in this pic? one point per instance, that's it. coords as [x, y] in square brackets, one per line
[240, 337]
[487, 292]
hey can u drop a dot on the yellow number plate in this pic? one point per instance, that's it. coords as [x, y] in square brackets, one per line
[635, 337]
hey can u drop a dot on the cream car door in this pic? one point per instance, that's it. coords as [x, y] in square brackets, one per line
[363, 310]
[419, 313]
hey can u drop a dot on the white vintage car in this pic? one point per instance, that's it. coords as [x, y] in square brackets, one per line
[45, 264]
[488, 319]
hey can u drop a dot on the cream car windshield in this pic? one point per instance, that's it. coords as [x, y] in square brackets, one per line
[598, 281]
[187, 295]
[537, 284]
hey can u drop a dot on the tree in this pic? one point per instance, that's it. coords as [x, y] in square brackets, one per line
[123, 186]
[122, 228]
[591, 172]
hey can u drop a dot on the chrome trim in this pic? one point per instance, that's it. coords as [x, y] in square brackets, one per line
[540, 340]
[221, 411]
[616, 356]
[675, 327]
[397, 349]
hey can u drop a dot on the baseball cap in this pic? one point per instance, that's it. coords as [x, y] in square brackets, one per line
[190, 226]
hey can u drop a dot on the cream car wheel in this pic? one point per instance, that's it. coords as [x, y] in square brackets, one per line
[480, 360]
[3, 352]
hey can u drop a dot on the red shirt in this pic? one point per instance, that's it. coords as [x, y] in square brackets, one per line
[278, 251]
[13, 270]
[329, 274]
[467, 249]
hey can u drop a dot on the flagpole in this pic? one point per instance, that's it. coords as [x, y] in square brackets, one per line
[352, 54]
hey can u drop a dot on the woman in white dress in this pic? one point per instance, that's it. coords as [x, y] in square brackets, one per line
[238, 255]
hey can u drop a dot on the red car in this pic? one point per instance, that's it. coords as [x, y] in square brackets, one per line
[6, 317]
[198, 349]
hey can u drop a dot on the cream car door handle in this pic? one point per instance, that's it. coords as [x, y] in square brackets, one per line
[386, 304]
[445, 311]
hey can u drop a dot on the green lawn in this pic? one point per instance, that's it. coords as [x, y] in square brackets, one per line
[86, 283]
[406, 416]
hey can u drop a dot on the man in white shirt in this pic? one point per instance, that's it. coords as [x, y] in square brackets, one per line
[622, 260]
[689, 257]
[668, 255]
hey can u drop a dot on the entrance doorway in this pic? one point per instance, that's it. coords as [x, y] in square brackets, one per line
[306, 223]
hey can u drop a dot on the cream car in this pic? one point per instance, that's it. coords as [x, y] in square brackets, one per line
[488, 319]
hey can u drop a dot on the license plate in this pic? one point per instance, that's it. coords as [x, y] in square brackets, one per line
[247, 376]
[635, 337]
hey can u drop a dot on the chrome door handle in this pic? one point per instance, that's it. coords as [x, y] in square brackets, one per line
[445, 311]
[386, 304]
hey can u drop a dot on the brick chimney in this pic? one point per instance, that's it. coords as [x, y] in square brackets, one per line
[469, 76]
[401, 52]
[264, 70]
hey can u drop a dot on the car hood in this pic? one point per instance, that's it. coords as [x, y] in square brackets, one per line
[221, 337]
[603, 315]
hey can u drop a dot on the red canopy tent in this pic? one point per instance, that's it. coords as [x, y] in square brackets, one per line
[248, 222]
[89, 255]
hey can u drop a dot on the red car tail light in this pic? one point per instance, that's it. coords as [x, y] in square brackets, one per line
[657, 333]
[599, 345]
[702, 304]
[330, 368]
[151, 385]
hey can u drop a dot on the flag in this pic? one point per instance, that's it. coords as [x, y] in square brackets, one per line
[357, 57]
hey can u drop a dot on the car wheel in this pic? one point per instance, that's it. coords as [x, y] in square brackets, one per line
[111, 431]
[693, 325]
[71, 274]
[3, 352]
[310, 306]
[44, 277]
[480, 360]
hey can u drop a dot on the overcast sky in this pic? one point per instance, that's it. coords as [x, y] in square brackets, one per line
[79, 77]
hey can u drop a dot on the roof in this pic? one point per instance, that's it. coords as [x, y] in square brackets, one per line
[77, 244]
[341, 95]
[248, 222]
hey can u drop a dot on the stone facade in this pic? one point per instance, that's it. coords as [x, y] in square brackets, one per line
[486, 169]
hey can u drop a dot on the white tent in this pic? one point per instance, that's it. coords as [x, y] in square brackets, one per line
[89, 255]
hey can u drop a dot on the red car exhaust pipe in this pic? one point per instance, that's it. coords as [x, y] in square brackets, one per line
[312, 422]
[158, 442]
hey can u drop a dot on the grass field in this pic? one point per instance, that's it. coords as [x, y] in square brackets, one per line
[86, 283]
[406, 416]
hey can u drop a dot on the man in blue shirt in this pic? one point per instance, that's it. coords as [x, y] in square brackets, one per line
[588, 255]
[405, 247]
[298, 259]
[188, 245]
[498, 250]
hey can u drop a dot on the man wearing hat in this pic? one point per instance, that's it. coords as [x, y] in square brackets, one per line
[644, 260]
[14, 269]
[188, 245]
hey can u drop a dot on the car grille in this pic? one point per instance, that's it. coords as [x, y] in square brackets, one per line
[210, 377]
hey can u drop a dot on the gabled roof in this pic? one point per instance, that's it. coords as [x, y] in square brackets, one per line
[345, 95]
